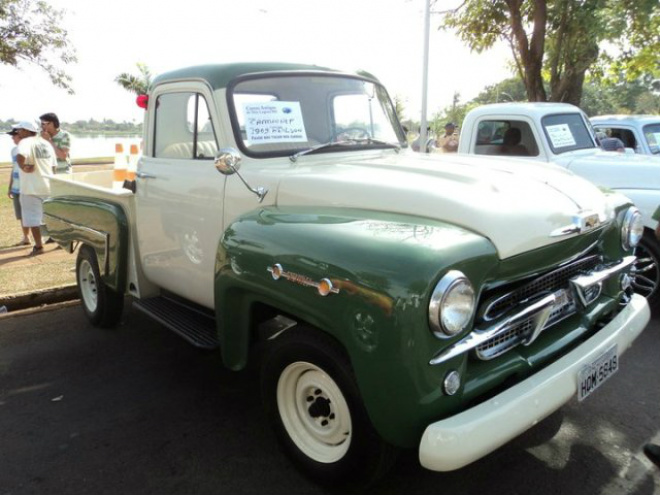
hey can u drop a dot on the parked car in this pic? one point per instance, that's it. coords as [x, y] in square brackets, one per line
[561, 134]
[391, 299]
[641, 133]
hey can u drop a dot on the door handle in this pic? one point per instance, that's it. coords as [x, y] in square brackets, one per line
[144, 175]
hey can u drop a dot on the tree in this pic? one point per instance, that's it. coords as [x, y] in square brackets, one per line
[558, 41]
[136, 84]
[31, 31]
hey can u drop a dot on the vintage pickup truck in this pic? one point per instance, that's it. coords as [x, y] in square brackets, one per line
[641, 133]
[560, 133]
[391, 300]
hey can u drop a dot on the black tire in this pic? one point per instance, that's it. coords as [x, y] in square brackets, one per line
[102, 305]
[326, 432]
[646, 270]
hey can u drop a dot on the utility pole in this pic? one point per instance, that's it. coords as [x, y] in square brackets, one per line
[423, 137]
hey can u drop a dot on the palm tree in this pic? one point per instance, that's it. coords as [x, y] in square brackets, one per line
[136, 84]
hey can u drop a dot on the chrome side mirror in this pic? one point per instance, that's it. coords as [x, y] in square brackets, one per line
[228, 161]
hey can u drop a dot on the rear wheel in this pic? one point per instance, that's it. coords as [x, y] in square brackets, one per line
[314, 405]
[646, 270]
[102, 305]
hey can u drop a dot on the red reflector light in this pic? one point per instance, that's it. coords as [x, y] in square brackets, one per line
[142, 101]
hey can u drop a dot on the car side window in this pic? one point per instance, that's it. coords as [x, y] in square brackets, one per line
[505, 137]
[184, 129]
[625, 135]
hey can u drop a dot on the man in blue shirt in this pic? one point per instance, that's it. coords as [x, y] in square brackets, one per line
[14, 190]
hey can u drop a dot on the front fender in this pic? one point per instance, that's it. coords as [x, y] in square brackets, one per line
[382, 268]
[101, 224]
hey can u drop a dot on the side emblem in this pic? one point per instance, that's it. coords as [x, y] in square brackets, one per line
[324, 286]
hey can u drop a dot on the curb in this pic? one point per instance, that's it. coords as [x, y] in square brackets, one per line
[31, 300]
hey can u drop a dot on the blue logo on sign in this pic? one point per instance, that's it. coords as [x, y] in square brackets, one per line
[287, 110]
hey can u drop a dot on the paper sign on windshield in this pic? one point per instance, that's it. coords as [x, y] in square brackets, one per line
[274, 122]
[560, 135]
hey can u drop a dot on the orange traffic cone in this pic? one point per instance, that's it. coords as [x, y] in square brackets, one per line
[120, 168]
[132, 162]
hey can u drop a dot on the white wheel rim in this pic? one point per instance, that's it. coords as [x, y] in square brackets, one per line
[87, 284]
[314, 412]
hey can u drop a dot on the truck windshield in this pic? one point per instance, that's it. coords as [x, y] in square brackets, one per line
[652, 134]
[280, 115]
[567, 132]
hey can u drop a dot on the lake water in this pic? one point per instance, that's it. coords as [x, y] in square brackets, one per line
[81, 146]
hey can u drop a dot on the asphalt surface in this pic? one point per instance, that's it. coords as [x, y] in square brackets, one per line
[137, 410]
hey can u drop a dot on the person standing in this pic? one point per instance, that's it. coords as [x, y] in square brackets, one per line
[448, 143]
[36, 161]
[14, 189]
[59, 139]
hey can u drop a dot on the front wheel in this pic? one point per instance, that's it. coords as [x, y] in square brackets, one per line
[102, 305]
[646, 270]
[314, 405]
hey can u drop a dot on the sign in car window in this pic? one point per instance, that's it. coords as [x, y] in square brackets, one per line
[274, 122]
[567, 132]
[560, 135]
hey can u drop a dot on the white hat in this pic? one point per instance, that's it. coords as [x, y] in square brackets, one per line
[27, 125]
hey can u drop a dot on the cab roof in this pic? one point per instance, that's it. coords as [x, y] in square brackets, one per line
[220, 75]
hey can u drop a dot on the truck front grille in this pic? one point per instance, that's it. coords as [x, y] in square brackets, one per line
[554, 282]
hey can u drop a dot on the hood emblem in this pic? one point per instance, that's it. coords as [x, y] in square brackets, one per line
[324, 286]
[582, 222]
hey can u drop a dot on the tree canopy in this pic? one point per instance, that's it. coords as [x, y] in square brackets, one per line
[31, 31]
[560, 41]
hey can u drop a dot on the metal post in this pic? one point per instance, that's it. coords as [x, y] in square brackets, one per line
[423, 137]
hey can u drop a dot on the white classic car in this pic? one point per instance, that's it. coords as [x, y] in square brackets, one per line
[638, 132]
[562, 134]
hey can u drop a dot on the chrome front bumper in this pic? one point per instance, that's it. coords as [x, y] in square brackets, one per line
[461, 439]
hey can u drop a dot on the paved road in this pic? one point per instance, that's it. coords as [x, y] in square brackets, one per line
[138, 411]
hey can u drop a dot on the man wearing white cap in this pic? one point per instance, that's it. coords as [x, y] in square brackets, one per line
[36, 161]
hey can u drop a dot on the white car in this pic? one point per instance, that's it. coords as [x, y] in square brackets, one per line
[638, 132]
[562, 134]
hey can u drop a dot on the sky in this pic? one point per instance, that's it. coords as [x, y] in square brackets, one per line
[383, 37]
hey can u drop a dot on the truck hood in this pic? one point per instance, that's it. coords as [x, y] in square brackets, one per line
[516, 204]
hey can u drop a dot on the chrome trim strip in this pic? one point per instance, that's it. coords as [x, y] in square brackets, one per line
[583, 282]
[582, 222]
[532, 279]
[104, 235]
[540, 309]
[324, 287]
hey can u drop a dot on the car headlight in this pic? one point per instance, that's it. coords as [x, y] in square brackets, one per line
[452, 305]
[632, 229]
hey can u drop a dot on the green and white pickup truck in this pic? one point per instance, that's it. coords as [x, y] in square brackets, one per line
[446, 303]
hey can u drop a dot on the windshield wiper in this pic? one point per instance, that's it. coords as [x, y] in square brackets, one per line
[347, 142]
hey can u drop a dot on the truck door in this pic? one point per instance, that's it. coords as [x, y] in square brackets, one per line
[179, 196]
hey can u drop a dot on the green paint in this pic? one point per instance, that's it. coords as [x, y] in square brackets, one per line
[76, 219]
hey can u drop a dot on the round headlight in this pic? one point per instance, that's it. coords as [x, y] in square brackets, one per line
[452, 305]
[632, 229]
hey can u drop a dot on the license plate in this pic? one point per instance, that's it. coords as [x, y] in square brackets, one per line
[593, 375]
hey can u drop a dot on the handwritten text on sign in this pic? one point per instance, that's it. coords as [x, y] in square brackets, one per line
[274, 122]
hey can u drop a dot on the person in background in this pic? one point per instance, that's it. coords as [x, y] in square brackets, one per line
[36, 161]
[59, 139]
[416, 145]
[609, 143]
[448, 143]
[14, 189]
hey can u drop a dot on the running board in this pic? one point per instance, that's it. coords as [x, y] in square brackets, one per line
[196, 327]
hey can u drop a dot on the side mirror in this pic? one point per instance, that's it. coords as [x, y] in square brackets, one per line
[228, 161]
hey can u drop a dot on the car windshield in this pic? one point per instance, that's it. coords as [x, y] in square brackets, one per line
[284, 114]
[567, 132]
[652, 135]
